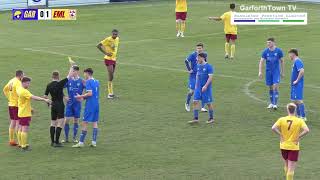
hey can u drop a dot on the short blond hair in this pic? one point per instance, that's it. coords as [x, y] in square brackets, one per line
[291, 107]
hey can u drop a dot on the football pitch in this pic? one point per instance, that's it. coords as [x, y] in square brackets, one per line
[144, 134]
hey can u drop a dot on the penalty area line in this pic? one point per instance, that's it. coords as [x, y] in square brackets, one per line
[246, 90]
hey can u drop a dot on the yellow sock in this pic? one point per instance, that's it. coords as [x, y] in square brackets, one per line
[177, 26]
[19, 137]
[227, 48]
[285, 170]
[24, 137]
[11, 134]
[233, 50]
[290, 175]
[183, 26]
[110, 87]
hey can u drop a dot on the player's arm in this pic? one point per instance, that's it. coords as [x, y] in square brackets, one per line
[275, 129]
[103, 50]
[205, 87]
[260, 67]
[84, 96]
[46, 93]
[215, 18]
[88, 93]
[37, 98]
[197, 80]
[63, 82]
[301, 74]
[218, 18]
[305, 131]
[187, 62]
[6, 90]
[282, 67]
[116, 48]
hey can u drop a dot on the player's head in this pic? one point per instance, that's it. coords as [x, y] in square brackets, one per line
[55, 75]
[201, 58]
[25, 81]
[115, 33]
[88, 73]
[270, 42]
[76, 70]
[293, 53]
[291, 108]
[199, 48]
[19, 74]
[232, 6]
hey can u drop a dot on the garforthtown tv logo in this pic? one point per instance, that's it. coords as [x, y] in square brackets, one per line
[251, 8]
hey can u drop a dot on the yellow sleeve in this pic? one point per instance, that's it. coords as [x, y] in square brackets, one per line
[303, 124]
[278, 123]
[105, 42]
[116, 47]
[223, 16]
[26, 94]
[6, 90]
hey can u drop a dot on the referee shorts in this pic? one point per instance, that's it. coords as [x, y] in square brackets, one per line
[57, 110]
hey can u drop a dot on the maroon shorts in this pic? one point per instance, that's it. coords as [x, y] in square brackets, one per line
[13, 113]
[291, 155]
[231, 36]
[25, 121]
[181, 16]
[108, 62]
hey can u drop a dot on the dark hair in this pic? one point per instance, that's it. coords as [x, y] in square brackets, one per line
[232, 6]
[294, 51]
[89, 71]
[200, 44]
[115, 31]
[271, 39]
[26, 79]
[203, 55]
[292, 108]
[19, 73]
[55, 74]
[75, 68]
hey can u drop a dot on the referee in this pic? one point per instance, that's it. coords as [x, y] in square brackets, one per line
[55, 89]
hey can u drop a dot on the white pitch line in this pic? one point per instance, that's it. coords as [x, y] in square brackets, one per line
[158, 39]
[246, 90]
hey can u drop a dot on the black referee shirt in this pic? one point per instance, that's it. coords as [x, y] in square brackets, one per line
[55, 89]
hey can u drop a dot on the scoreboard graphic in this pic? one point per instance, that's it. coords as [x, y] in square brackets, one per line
[44, 14]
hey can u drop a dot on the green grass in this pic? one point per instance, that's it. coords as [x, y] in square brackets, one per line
[144, 134]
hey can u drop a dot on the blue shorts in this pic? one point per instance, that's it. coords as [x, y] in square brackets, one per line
[73, 110]
[205, 97]
[272, 78]
[297, 92]
[91, 116]
[192, 82]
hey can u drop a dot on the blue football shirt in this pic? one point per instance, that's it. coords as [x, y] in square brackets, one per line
[92, 102]
[297, 66]
[74, 87]
[192, 59]
[272, 59]
[203, 72]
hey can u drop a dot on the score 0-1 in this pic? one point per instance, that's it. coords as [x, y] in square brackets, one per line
[44, 14]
